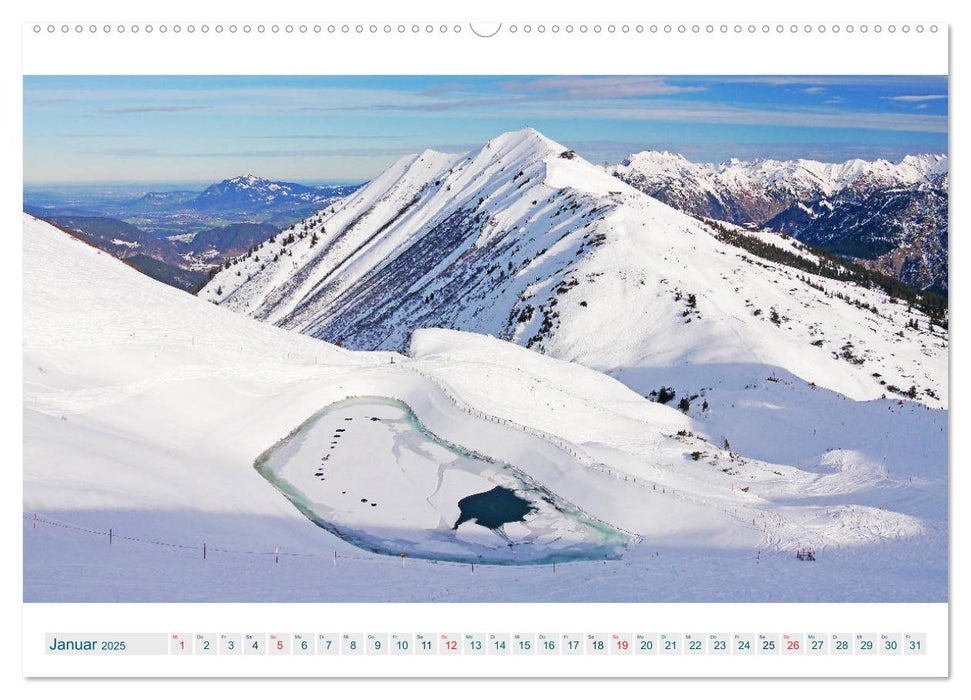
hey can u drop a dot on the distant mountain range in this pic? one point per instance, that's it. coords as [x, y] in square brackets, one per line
[242, 199]
[262, 196]
[178, 237]
[245, 197]
[892, 216]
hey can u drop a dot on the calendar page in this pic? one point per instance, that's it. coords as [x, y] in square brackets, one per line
[440, 348]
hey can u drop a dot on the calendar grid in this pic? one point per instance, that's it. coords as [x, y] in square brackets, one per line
[381, 644]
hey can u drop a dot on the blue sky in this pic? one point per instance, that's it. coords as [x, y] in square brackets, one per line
[349, 128]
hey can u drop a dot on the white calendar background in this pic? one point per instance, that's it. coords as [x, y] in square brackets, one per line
[603, 55]
[487, 623]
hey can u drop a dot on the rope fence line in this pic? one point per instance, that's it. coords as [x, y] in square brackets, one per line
[334, 557]
[204, 549]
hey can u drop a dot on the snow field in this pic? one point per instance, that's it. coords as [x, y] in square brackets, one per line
[145, 409]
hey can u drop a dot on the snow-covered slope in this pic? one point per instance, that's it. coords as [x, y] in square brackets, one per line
[144, 410]
[527, 242]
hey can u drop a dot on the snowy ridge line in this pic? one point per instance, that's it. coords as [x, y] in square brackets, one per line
[591, 463]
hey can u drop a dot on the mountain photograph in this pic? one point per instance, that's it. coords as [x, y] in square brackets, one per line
[515, 339]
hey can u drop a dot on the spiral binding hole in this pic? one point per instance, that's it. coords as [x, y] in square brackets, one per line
[446, 29]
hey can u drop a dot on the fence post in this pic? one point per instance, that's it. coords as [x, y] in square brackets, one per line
[110, 537]
[35, 521]
[276, 555]
[203, 550]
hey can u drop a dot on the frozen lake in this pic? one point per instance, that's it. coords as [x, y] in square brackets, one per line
[367, 470]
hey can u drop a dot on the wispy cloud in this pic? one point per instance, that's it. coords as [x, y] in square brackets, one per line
[445, 88]
[916, 98]
[812, 118]
[325, 137]
[101, 135]
[138, 109]
[814, 90]
[454, 96]
[294, 137]
[350, 152]
[432, 106]
[814, 80]
[667, 110]
[126, 152]
[600, 88]
[240, 100]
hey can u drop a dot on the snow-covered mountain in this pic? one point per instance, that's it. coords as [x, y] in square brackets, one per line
[754, 191]
[892, 214]
[525, 241]
[145, 410]
[251, 192]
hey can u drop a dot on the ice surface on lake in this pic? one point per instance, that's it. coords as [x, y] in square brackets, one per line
[367, 470]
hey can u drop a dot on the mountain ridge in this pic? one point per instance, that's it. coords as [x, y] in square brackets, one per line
[524, 240]
[828, 177]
